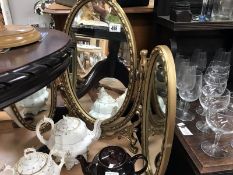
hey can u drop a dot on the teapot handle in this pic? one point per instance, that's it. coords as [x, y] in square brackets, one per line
[40, 137]
[61, 154]
[7, 167]
[29, 150]
[135, 158]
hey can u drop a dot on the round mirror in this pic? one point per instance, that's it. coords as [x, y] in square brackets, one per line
[30, 110]
[159, 110]
[101, 81]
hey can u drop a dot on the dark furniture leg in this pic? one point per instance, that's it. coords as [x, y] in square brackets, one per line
[111, 67]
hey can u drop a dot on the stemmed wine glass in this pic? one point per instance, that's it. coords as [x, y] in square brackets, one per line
[181, 66]
[230, 109]
[199, 58]
[221, 122]
[190, 91]
[216, 77]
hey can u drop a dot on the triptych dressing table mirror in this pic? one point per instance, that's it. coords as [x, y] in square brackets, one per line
[134, 98]
[107, 81]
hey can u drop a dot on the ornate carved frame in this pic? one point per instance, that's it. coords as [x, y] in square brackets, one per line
[53, 91]
[147, 123]
[134, 87]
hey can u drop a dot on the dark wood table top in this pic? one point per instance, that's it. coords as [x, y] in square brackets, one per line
[20, 56]
[26, 69]
[202, 163]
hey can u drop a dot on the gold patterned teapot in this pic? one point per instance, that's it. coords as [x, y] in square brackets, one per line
[35, 163]
[69, 136]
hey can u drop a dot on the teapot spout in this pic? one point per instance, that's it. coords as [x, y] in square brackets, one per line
[97, 130]
[84, 164]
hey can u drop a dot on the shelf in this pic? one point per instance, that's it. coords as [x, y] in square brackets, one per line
[193, 26]
[201, 162]
[140, 9]
[60, 9]
[57, 9]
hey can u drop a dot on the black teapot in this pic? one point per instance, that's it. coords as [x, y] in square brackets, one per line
[110, 160]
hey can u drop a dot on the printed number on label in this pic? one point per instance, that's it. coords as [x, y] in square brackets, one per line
[111, 173]
[114, 27]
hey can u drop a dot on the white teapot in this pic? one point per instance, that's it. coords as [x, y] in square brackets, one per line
[6, 170]
[104, 107]
[34, 103]
[69, 136]
[37, 163]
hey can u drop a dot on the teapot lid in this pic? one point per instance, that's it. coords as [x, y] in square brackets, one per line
[67, 124]
[31, 163]
[112, 156]
[104, 97]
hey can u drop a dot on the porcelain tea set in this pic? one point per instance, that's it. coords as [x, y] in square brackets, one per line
[68, 144]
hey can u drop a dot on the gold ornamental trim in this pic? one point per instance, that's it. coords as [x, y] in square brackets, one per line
[31, 126]
[134, 88]
[167, 124]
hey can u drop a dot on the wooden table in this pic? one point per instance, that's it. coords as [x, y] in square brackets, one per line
[26, 69]
[187, 150]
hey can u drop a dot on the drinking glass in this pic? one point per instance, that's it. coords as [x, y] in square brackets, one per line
[199, 59]
[215, 86]
[226, 57]
[202, 16]
[221, 122]
[218, 53]
[230, 109]
[222, 10]
[181, 66]
[205, 101]
[219, 66]
[189, 92]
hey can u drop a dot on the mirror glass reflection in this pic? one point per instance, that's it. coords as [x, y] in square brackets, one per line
[158, 115]
[30, 110]
[101, 66]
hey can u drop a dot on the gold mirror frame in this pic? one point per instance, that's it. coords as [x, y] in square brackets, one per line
[148, 124]
[67, 83]
[20, 119]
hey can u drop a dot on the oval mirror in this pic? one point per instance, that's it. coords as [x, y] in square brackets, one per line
[159, 110]
[30, 110]
[101, 81]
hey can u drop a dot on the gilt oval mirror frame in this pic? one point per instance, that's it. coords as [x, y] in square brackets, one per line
[158, 121]
[70, 78]
[30, 110]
